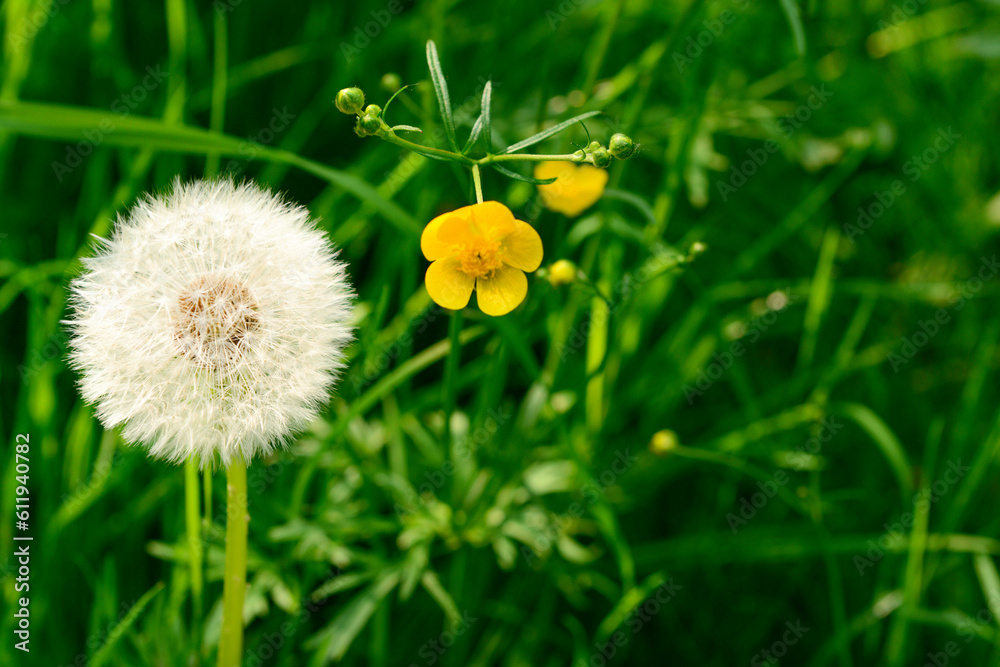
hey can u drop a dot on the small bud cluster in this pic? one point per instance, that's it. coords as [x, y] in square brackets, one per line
[351, 101]
[620, 147]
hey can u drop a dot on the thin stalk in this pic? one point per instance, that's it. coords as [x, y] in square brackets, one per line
[479, 184]
[235, 576]
[193, 523]
[392, 138]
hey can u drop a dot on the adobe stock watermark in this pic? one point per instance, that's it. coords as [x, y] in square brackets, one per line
[968, 629]
[464, 450]
[31, 24]
[661, 260]
[750, 506]
[464, 113]
[779, 649]
[914, 168]
[636, 621]
[363, 35]
[272, 642]
[41, 357]
[565, 9]
[712, 30]
[432, 651]
[592, 492]
[788, 125]
[921, 500]
[251, 148]
[102, 636]
[122, 106]
[723, 361]
[912, 344]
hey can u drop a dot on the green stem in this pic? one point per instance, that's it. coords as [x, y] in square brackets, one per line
[234, 579]
[193, 523]
[479, 183]
[426, 150]
[392, 138]
[525, 157]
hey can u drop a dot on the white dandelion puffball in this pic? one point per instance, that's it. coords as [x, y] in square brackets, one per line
[211, 323]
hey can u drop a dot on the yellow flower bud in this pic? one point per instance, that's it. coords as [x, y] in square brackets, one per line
[663, 442]
[562, 272]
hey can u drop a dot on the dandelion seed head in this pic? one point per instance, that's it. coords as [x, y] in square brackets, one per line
[211, 324]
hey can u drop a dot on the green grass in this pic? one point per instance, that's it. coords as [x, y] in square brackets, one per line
[487, 482]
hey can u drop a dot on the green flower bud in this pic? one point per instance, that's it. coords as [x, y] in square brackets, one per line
[350, 101]
[602, 158]
[593, 145]
[373, 110]
[368, 125]
[391, 82]
[621, 146]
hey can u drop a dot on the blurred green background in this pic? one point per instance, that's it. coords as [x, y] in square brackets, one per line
[828, 366]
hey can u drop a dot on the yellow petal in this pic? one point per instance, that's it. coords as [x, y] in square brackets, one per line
[502, 292]
[492, 219]
[576, 189]
[444, 232]
[448, 287]
[545, 170]
[523, 246]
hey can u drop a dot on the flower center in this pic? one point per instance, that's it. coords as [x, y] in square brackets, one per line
[480, 258]
[216, 317]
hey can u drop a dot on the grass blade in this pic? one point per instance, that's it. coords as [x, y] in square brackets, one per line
[120, 630]
[791, 10]
[67, 123]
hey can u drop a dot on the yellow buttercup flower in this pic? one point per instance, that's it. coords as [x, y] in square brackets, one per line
[481, 246]
[577, 187]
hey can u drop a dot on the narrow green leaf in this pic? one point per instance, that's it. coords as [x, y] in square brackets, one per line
[120, 630]
[484, 113]
[441, 88]
[791, 9]
[477, 129]
[989, 580]
[555, 129]
[429, 580]
[886, 441]
[518, 177]
[337, 637]
[406, 128]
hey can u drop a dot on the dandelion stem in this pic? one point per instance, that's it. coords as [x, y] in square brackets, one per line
[479, 184]
[234, 579]
[193, 521]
